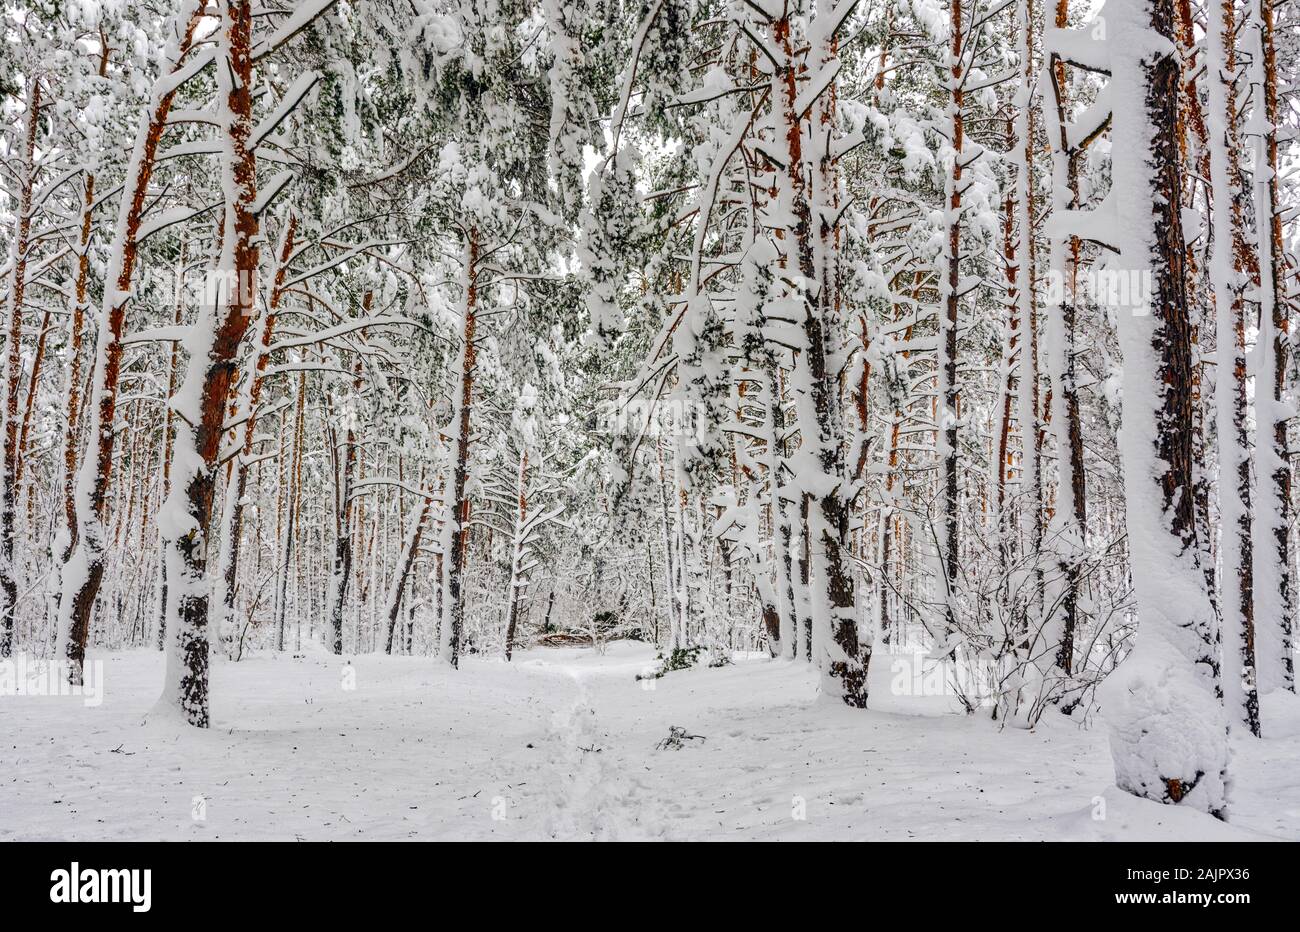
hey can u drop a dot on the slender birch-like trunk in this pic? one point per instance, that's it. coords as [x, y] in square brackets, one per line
[947, 529]
[410, 548]
[341, 574]
[294, 479]
[456, 527]
[518, 554]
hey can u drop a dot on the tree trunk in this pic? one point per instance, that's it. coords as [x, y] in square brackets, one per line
[245, 436]
[83, 569]
[518, 553]
[13, 372]
[1228, 279]
[946, 363]
[1165, 694]
[456, 529]
[168, 446]
[1273, 572]
[33, 385]
[294, 476]
[836, 647]
[343, 520]
[774, 428]
[404, 571]
[1071, 513]
[204, 394]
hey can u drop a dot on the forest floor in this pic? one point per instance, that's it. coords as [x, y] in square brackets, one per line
[564, 743]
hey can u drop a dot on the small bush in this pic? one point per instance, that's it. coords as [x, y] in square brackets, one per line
[682, 658]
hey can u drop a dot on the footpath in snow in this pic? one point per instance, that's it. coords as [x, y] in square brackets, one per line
[567, 744]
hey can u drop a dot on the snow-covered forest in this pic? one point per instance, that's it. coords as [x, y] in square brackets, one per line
[918, 366]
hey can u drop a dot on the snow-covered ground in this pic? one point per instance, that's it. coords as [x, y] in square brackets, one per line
[563, 744]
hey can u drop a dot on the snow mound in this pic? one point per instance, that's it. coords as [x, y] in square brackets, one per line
[1165, 725]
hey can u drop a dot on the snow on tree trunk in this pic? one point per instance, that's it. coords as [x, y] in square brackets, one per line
[245, 432]
[294, 482]
[1001, 447]
[341, 572]
[33, 386]
[173, 367]
[1228, 279]
[1070, 515]
[83, 568]
[807, 193]
[887, 518]
[456, 525]
[946, 527]
[1273, 572]
[340, 576]
[1167, 729]
[67, 536]
[1028, 404]
[518, 554]
[13, 370]
[410, 548]
[774, 455]
[201, 402]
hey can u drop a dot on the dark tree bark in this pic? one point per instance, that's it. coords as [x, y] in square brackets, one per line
[459, 503]
[404, 573]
